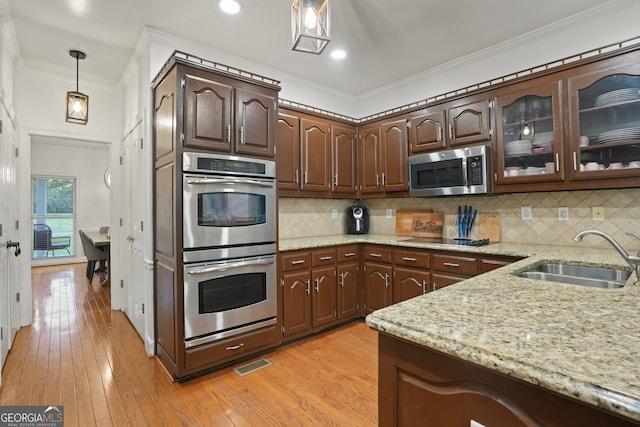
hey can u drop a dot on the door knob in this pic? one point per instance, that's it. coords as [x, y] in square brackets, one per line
[16, 245]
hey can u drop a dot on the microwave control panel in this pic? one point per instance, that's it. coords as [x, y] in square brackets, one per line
[474, 170]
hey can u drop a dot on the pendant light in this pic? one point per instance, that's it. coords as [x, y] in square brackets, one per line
[310, 25]
[77, 103]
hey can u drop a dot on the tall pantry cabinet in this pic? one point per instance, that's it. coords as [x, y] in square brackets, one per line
[200, 107]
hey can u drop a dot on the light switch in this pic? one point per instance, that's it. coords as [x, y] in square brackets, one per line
[526, 213]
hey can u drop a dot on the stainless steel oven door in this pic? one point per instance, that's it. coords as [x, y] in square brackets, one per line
[228, 210]
[228, 297]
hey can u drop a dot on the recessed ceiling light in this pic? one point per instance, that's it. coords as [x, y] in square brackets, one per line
[338, 54]
[229, 6]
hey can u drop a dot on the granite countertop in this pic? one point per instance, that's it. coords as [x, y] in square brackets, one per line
[577, 341]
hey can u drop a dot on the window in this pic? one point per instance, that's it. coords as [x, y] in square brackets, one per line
[53, 216]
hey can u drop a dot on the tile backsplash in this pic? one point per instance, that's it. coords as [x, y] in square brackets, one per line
[313, 217]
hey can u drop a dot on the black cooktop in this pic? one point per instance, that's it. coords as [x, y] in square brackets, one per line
[455, 242]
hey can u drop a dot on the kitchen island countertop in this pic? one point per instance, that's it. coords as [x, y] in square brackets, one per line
[577, 341]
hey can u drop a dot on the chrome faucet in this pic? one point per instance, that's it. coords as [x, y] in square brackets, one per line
[632, 260]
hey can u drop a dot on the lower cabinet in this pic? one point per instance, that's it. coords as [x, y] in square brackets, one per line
[376, 279]
[324, 286]
[422, 387]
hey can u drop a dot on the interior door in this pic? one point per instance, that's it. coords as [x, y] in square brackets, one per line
[9, 318]
[131, 251]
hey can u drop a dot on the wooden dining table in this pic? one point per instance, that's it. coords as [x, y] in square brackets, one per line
[102, 241]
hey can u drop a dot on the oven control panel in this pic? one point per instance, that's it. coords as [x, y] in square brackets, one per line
[227, 165]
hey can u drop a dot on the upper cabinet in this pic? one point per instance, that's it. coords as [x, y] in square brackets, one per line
[529, 143]
[383, 153]
[229, 116]
[315, 157]
[452, 124]
[576, 129]
[604, 117]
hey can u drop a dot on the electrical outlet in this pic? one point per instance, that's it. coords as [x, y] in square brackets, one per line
[563, 213]
[389, 213]
[526, 213]
[597, 213]
[334, 213]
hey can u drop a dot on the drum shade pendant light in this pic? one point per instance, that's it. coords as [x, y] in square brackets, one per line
[77, 103]
[310, 25]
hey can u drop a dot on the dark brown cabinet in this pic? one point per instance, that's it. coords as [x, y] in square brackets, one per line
[295, 281]
[383, 153]
[411, 273]
[377, 276]
[452, 124]
[447, 269]
[417, 383]
[199, 108]
[221, 116]
[315, 157]
[344, 161]
[323, 287]
[349, 282]
[427, 132]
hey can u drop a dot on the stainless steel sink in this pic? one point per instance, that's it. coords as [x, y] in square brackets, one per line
[597, 277]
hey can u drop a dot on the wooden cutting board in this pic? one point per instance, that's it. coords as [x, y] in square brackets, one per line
[404, 219]
[489, 227]
[427, 225]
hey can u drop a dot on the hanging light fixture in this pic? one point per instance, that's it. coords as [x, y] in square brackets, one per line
[77, 103]
[310, 25]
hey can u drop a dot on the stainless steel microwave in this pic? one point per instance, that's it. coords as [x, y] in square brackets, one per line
[452, 172]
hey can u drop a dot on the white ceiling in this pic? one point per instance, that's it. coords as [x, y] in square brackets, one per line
[386, 40]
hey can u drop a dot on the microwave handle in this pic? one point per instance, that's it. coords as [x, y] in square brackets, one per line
[464, 172]
[199, 181]
[230, 266]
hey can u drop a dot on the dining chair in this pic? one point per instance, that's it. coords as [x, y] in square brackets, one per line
[43, 240]
[93, 255]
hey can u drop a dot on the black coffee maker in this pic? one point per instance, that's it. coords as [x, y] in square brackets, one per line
[357, 220]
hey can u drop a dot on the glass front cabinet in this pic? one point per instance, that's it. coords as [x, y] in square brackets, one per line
[529, 143]
[604, 114]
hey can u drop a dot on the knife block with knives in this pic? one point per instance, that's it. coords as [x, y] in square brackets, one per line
[466, 218]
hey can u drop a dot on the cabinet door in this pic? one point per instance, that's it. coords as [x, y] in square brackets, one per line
[323, 283]
[409, 283]
[377, 286]
[296, 302]
[316, 154]
[426, 132]
[207, 117]
[604, 110]
[255, 118]
[288, 152]
[344, 160]
[529, 143]
[369, 157]
[349, 290]
[469, 123]
[394, 155]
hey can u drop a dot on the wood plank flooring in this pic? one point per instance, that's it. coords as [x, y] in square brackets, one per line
[80, 354]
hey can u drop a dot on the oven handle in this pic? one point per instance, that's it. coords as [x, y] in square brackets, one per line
[198, 181]
[230, 266]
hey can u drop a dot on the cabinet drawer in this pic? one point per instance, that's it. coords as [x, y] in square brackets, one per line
[489, 264]
[377, 253]
[411, 258]
[224, 350]
[321, 257]
[454, 264]
[348, 253]
[295, 260]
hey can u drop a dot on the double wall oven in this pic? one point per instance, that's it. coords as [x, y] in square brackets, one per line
[229, 246]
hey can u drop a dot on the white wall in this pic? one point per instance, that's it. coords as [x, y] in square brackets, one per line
[84, 161]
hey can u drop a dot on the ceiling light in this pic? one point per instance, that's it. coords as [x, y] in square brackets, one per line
[338, 54]
[77, 103]
[310, 25]
[229, 6]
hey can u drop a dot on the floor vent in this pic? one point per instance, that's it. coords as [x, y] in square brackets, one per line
[252, 367]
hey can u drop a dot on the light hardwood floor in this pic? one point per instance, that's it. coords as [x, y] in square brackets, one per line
[80, 354]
